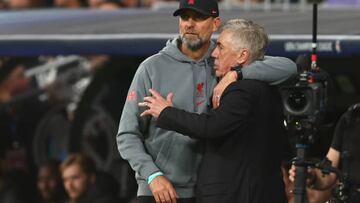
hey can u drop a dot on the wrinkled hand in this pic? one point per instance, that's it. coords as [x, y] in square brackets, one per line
[163, 190]
[156, 103]
[225, 81]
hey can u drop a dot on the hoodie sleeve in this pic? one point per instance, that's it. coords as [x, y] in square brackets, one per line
[130, 137]
[273, 70]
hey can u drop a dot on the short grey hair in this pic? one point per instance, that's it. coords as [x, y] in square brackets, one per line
[249, 35]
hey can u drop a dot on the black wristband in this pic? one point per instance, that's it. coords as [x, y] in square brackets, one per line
[238, 70]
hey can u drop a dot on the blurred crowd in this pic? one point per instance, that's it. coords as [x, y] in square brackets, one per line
[26, 94]
[117, 4]
[92, 4]
[74, 180]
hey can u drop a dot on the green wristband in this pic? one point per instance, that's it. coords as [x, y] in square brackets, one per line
[154, 175]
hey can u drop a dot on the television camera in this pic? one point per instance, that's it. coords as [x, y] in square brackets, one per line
[305, 105]
[305, 102]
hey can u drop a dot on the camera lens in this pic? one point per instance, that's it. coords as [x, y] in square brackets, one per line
[297, 100]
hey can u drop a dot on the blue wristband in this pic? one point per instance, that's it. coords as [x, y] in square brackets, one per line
[154, 175]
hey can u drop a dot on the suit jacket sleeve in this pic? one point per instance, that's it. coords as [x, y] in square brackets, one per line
[237, 102]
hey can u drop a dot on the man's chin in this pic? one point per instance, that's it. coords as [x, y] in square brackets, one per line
[194, 44]
[74, 196]
[191, 36]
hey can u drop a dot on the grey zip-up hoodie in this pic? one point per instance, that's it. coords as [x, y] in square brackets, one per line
[150, 149]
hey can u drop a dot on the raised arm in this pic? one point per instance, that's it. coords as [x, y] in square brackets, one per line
[273, 70]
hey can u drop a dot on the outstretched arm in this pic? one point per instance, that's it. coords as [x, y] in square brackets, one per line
[273, 70]
[223, 121]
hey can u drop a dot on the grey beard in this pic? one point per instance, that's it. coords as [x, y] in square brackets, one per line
[193, 45]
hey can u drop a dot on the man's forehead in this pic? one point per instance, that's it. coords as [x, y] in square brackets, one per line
[220, 39]
[224, 39]
[226, 34]
[191, 12]
[73, 175]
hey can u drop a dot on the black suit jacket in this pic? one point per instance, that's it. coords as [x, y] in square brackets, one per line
[245, 144]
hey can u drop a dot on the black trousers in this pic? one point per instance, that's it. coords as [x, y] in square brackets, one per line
[150, 199]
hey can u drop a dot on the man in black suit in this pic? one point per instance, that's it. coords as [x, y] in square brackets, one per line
[245, 138]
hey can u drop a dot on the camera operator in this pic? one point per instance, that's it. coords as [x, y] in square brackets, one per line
[344, 154]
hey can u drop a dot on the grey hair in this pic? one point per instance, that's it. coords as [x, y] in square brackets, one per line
[249, 35]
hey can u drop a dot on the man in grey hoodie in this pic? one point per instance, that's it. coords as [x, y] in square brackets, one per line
[166, 166]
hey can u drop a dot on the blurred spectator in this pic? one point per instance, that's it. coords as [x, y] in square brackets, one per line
[237, 2]
[12, 82]
[17, 120]
[2, 5]
[109, 6]
[104, 5]
[70, 3]
[148, 3]
[83, 184]
[8, 194]
[25, 4]
[16, 184]
[12, 79]
[130, 3]
[160, 4]
[49, 183]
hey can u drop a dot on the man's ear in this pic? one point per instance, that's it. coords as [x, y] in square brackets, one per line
[217, 24]
[243, 56]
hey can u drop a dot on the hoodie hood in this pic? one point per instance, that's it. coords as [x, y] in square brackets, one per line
[171, 49]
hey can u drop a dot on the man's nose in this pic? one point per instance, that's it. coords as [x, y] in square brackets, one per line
[68, 184]
[215, 53]
[190, 23]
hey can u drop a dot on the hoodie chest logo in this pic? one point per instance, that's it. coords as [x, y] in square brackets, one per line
[200, 88]
[200, 96]
[131, 96]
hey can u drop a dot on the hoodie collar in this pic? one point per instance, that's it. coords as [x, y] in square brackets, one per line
[173, 51]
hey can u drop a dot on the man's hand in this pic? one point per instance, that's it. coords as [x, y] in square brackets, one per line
[225, 81]
[156, 103]
[311, 175]
[163, 190]
[292, 172]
